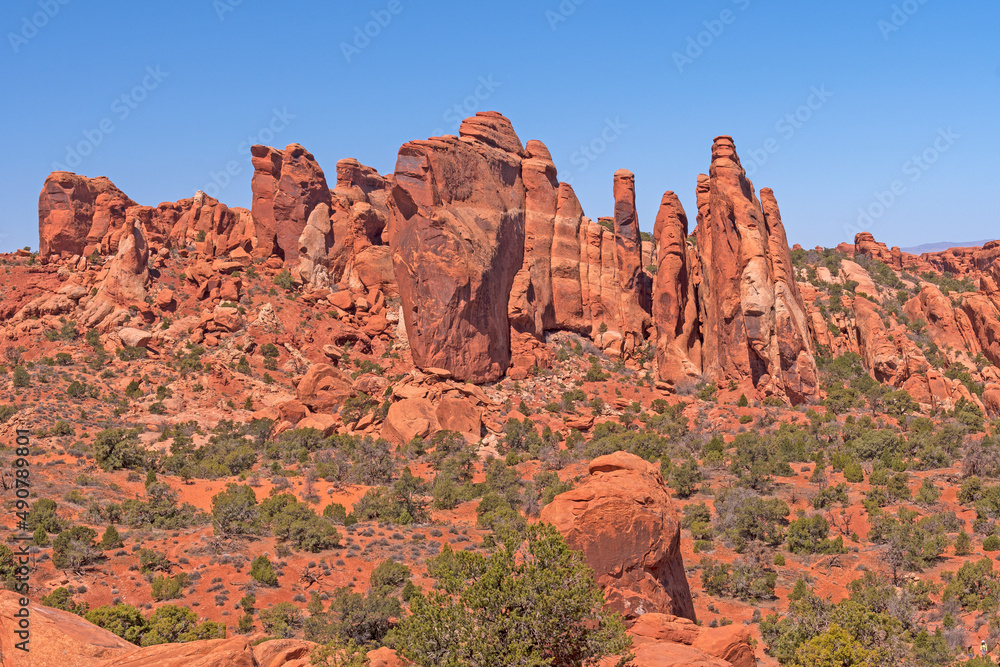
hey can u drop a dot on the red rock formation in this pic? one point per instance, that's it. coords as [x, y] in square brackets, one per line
[948, 327]
[457, 239]
[634, 285]
[740, 304]
[866, 245]
[76, 212]
[624, 522]
[56, 637]
[675, 307]
[360, 257]
[570, 310]
[798, 367]
[287, 185]
[80, 215]
[662, 632]
[531, 300]
[126, 278]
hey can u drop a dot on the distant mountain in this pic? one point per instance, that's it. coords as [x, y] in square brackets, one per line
[944, 245]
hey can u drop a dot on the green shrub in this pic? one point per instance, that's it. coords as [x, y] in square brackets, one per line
[168, 588]
[560, 618]
[262, 571]
[21, 377]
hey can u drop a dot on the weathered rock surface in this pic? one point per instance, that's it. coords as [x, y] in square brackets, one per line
[675, 306]
[745, 291]
[653, 633]
[622, 519]
[531, 300]
[76, 212]
[422, 417]
[457, 241]
[57, 638]
[287, 185]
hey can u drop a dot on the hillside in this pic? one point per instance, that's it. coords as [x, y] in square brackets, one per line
[732, 431]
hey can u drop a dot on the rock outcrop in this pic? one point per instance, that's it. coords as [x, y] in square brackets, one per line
[56, 637]
[752, 318]
[532, 308]
[457, 240]
[656, 636]
[675, 305]
[622, 518]
[76, 212]
[79, 216]
[126, 278]
[287, 185]
[579, 275]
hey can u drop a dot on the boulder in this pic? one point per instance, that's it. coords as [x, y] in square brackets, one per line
[622, 518]
[422, 417]
[134, 337]
[235, 652]
[324, 388]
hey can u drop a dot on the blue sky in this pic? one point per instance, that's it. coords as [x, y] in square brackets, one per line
[829, 103]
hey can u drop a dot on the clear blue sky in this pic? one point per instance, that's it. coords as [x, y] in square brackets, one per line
[222, 69]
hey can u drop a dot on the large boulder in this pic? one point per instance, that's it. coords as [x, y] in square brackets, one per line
[457, 239]
[235, 652]
[658, 634]
[622, 518]
[324, 388]
[421, 417]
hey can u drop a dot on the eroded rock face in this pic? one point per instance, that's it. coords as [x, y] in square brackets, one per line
[532, 308]
[76, 212]
[287, 185]
[622, 519]
[124, 284]
[57, 637]
[457, 240]
[79, 216]
[795, 356]
[675, 306]
[633, 316]
[753, 320]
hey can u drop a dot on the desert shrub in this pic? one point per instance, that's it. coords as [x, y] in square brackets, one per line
[295, 522]
[171, 624]
[560, 618]
[235, 511]
[404, 502]
[168, 587]
[118, 448]
[43, 515]
[743, 516]
[74, 548]
[683, 478]
[281, 620]
[111, 539]
[262, 571]
[61, 598]
[747, 581]
[808, 535]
